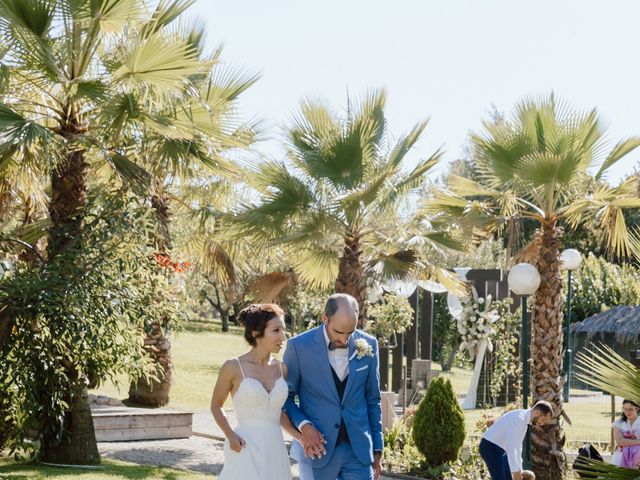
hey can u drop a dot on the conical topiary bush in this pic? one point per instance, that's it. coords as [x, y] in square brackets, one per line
[438, 427]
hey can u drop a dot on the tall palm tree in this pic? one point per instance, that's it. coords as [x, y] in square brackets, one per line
[89, 79]
[335, 204]
[537, 165]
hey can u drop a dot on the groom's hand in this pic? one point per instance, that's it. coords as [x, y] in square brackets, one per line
[312, 441]
[377, 467]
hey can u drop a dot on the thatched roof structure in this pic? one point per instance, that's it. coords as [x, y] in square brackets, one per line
[623, 322]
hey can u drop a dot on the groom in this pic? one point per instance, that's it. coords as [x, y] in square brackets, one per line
[333, 370]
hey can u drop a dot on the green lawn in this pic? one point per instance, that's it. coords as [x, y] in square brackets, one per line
[110, 469]
[198, 353]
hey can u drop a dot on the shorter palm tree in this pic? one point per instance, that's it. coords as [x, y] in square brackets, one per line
[337, 205]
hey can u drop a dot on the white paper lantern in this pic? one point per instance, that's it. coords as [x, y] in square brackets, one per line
[571, 259]
[524, 279]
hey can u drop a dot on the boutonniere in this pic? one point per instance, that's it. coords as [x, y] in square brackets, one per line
[363, 349]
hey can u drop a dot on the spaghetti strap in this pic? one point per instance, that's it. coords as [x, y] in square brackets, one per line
[240, 365]
[281, 372]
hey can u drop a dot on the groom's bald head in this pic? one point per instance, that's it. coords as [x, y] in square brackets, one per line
[341, 301]
[340, 317]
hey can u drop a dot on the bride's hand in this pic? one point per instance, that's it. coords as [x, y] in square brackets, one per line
[236, 442]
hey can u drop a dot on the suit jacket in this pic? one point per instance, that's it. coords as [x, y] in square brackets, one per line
[311, 382]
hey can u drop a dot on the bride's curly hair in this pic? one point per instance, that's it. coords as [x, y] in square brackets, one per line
[255, 317]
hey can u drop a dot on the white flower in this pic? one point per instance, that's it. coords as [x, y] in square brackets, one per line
[363, 349]
[481, 300]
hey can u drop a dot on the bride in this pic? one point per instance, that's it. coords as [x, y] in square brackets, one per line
[257, 384]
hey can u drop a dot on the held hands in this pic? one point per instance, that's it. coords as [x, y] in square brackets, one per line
[236, 442]
[312, 441]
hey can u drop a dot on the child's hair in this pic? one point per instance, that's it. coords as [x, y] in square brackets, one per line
[528, 475]
[630, 402]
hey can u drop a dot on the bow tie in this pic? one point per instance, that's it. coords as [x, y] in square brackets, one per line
[333, 346]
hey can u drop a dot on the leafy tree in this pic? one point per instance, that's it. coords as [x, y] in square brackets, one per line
[78, 318]
[536, 165]
[599, 285]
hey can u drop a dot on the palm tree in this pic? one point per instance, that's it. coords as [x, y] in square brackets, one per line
[88, 80]
[172, 163]
[334, 206]
[536, 166]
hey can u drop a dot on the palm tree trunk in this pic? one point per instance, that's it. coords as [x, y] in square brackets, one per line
[66, 211]
[546, 352]
[78, 445]
[351, 278]
[155, 393]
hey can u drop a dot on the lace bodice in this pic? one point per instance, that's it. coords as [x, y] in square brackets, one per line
[252, 403]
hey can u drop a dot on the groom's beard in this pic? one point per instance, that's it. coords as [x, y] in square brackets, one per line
[333, 346]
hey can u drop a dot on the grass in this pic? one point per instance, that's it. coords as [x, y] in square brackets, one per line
[110, 469]
[198, 353]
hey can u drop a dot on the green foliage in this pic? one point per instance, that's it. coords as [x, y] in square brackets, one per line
[469, 466]
[438, 428]
[506, 361]
[446, 338]
[599, 285]
[400, 452]
[305, 306]
[392, 315]
[79, 317]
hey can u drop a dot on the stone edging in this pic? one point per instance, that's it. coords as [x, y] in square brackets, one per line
[400, 476]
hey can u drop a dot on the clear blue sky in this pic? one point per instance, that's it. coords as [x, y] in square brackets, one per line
[446, 60]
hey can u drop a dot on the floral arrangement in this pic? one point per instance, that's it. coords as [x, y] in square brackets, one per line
[363, 349]
[476, 322]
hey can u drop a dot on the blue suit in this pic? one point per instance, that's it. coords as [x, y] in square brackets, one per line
[311, 381]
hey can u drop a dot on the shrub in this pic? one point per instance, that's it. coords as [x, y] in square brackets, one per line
[599, 285]
[393, 315]
[438, 428]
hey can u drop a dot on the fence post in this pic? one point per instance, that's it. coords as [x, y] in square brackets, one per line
[613, 419]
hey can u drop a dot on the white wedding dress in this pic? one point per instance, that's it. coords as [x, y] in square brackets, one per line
[264, 457]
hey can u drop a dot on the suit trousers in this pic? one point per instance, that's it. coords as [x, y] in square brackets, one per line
[344, 465]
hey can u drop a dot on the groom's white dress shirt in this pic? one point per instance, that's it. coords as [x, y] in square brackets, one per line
[339, 361]
[338, 358]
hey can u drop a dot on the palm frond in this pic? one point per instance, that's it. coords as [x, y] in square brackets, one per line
[465, 187]
[113, 15]
[606, 471]
[273, 287]
[622, 148]
[130, 172]
[158, 62]
[316, 266]
[165, 13]
[603, 368]
[393, 266]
